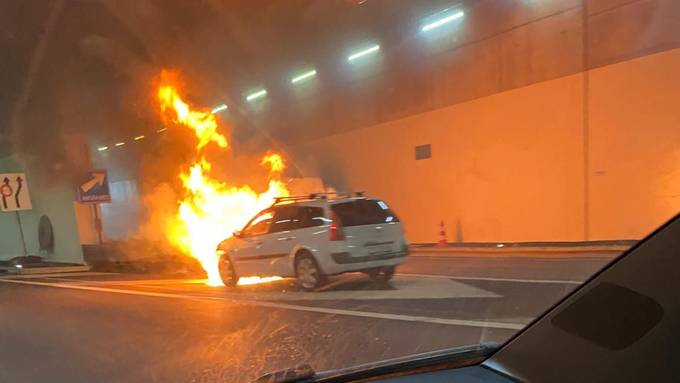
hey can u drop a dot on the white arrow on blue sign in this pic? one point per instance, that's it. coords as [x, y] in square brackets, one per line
[94, 187]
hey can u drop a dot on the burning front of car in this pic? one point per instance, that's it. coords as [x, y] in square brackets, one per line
[211, 206]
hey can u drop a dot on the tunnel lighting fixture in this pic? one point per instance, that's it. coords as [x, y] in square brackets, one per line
[364, 52]
[161, 130]
[444, 20]
[139, 138]
[102, 148]
[120, 143]
[303, 76]
[256, 95]
[219, 108]
[19, 266]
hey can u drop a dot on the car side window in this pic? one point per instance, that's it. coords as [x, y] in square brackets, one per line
[312, 216]
[259, 225]
[285, 218]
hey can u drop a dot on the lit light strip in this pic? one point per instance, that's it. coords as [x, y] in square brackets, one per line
[443, 21]
[139, 138]
[102, 148]
[219, 108]
[161, 130]
[120, 143]
[304, 76]
[258, 94]
[366, 51]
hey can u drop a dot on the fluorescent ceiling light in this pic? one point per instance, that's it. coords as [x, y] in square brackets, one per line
[120, 143]
[139, 138]
[256, 95]
[442, 21]
[219, 108]
[102, 148]
[364, 52]
[303, 76]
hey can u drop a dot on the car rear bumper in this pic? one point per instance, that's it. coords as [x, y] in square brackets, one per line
[345, 257]
[342, 262]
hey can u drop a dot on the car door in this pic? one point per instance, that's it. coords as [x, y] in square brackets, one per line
[283, 236]
[248, 255]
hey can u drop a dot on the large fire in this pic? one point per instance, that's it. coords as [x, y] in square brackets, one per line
[211, 209]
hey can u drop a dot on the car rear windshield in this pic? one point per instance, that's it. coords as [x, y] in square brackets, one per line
[363, 212]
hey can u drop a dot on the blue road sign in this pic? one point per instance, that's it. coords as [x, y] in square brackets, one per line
[94, 187]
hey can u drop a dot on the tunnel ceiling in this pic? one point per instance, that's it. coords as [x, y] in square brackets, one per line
[86, 65]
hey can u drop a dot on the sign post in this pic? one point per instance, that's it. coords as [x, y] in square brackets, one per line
[14, 197]
[93, 188]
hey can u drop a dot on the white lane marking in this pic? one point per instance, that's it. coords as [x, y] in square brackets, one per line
[568, 282]
[402, 288]
[130, 282]
[53, 275]
[285, 306]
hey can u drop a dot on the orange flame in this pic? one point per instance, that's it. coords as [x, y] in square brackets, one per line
[275, 162]
[212, 210]
[203, 123]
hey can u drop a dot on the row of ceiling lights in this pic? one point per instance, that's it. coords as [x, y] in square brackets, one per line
[442, 18]
[437, 20]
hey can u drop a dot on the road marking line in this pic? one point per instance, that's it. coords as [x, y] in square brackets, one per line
[493, 279]
[285, 306]
[148, 282]
[54, 275]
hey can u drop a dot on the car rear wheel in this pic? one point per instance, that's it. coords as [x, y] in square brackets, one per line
[308, 275]
[227, 272]
[382, 274]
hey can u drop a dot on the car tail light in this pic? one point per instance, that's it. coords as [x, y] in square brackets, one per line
[335, 231]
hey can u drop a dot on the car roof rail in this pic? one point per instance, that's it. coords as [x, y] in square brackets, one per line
[320, 195]
[291, 198]
[337, 194]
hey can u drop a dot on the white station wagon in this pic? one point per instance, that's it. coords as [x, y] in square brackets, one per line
[312, 237]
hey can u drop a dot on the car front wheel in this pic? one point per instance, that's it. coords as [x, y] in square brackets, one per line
[227, 272]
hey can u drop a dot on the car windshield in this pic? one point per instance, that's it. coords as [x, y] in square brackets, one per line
[198, 191]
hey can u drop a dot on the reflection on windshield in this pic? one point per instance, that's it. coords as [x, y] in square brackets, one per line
[238, 188]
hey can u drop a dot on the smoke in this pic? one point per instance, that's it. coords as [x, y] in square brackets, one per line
[79, 83]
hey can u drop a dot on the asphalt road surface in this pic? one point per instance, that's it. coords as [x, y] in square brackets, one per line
[96, 327]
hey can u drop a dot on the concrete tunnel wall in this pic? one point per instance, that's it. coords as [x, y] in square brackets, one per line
[548, 121]
[579, 157]
[54, 201]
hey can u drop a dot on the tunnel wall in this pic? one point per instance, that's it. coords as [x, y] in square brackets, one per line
[498, 46]
[55, 201]
[548, 121]
[581, 157]
[634, 146]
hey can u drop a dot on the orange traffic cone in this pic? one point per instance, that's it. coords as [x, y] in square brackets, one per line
[442, 235]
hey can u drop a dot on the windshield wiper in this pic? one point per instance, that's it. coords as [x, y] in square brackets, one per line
[296, 374]
[436, 360]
